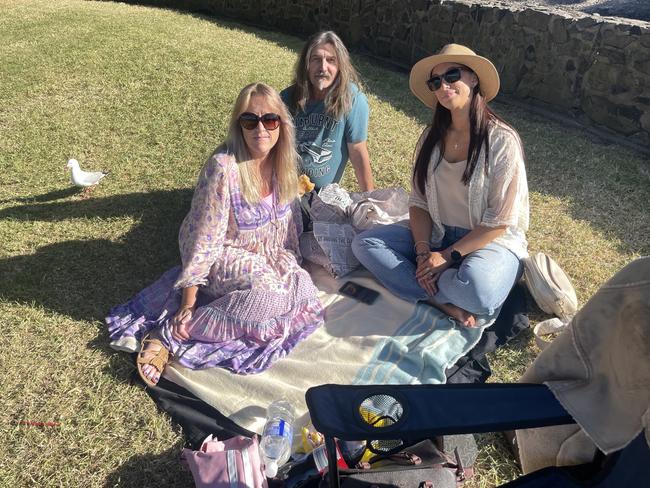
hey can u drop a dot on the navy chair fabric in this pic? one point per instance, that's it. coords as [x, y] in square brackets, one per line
[427, 411]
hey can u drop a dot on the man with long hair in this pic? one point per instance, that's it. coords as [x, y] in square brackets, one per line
[330, 113]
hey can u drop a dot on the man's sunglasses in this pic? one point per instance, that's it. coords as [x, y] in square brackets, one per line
[451, 76]
[249, 121]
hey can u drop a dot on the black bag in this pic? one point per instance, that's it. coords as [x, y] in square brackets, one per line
[305, 206]
[425, 464]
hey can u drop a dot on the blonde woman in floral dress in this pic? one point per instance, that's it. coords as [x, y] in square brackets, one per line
[240, 299]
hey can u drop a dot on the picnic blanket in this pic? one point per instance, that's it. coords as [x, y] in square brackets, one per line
[389, 342]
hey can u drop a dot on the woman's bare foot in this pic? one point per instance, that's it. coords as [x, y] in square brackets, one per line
[149, 371]
[462, 316]
[152, 359]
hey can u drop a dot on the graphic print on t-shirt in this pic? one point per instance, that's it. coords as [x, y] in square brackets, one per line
[318, 154]
[316, 144]
[321, 140]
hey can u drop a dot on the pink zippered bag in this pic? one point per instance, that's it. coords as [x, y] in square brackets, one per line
[233, 463]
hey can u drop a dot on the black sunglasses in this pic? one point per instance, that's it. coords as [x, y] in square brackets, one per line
[451, 76]
[249, 121]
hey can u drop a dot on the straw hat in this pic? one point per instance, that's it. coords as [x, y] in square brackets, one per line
[454, 53]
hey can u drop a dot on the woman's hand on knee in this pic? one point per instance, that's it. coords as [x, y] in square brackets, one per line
[430, 283]
[429, 269]
[179, 324]
[434, 263]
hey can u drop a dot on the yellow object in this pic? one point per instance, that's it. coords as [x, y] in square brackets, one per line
[305, 185]
[373, 418]
[367, 455]
[311, 438]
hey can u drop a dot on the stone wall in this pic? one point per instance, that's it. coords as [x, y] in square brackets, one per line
[595, 69]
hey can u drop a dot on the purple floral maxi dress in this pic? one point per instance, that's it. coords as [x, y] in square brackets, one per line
[255, 302]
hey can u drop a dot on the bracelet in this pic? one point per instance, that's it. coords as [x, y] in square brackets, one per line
[415, 246]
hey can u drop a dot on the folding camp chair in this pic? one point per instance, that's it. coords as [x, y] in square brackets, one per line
[426, 411]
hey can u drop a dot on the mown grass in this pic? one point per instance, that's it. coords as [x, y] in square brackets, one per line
[146, 94]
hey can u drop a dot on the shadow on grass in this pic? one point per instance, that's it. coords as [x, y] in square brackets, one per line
[83, 279]
[46, 197]
[152, 470]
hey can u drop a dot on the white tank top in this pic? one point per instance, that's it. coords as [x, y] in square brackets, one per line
[453, 194]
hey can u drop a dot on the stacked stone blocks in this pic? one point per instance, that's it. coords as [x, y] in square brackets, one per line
[592, 68]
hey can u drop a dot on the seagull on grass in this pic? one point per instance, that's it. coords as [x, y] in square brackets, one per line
[84, 179]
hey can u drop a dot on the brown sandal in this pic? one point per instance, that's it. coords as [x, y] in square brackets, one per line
[158, 359]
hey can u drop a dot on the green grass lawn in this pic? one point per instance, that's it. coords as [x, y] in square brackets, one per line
[146, 94]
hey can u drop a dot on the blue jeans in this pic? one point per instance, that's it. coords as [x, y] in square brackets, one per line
[479, 285]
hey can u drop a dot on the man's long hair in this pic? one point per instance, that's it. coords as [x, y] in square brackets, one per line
[481, 118]
[283, 155]
[338, 101]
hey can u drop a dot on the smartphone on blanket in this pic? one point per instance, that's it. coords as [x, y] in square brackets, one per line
[358, 292]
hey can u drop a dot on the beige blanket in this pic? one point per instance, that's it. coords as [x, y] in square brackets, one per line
[333, 354]
[391, 341]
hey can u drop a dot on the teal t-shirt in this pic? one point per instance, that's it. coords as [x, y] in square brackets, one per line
[323, 141]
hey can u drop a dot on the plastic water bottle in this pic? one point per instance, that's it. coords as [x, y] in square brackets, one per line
[296, 473]
[275, 447]
[348, 453]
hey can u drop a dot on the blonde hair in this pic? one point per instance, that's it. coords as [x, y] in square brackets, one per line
[338, 101]
[283, 155]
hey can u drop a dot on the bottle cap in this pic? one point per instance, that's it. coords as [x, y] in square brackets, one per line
[271, 469]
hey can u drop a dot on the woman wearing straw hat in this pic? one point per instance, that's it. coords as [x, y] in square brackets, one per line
[469, 201]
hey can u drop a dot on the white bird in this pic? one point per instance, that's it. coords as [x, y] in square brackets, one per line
[83, 178]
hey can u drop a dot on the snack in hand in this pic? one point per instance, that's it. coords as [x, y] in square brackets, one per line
[304, 185]
[311, 438]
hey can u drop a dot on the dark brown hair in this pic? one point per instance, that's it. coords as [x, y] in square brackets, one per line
[481, 118]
